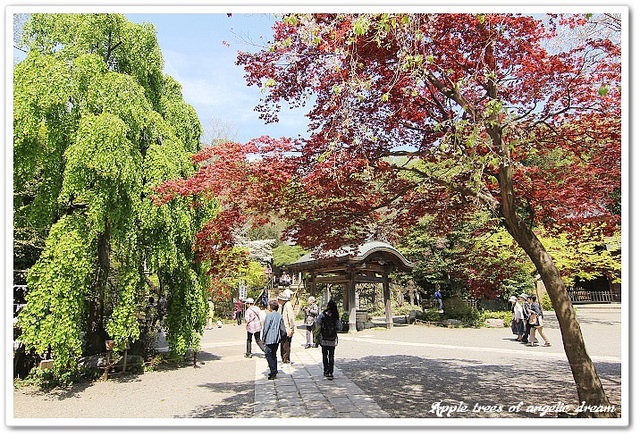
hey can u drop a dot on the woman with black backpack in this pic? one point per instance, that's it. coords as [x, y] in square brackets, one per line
[329, 324]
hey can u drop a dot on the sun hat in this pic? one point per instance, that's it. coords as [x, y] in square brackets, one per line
[283, 296]
[311, 299]
[513, 299]
[249, 301]
[524, 296]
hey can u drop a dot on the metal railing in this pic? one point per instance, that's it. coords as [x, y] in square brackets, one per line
[593, 296]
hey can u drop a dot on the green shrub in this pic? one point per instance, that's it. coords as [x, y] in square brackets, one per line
[474, 319]
[429, 315]
[404, 310]
[504, 315]
[344, 318]
[456, 308]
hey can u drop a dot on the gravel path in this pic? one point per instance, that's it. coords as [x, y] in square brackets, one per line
[222, 385]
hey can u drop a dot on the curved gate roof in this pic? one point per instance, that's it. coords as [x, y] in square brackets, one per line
[370, 252]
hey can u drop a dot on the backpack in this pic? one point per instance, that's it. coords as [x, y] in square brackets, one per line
[328, 329]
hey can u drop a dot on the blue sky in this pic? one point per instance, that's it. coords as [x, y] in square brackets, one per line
[194, 54]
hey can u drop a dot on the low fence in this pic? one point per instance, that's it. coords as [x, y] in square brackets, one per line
[593, 296]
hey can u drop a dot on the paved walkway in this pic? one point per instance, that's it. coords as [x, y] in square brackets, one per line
[301, 390]
[398, 373]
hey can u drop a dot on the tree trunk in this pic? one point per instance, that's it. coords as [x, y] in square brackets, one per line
[96, 334]
[588, 383]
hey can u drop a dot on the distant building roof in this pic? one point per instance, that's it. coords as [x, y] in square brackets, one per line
[370, 251]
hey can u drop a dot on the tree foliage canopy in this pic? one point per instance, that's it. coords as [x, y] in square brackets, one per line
[441, 114]
[418, 114]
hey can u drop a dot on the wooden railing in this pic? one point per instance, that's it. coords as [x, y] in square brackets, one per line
[593, 296]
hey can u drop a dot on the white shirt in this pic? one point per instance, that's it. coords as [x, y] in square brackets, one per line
[517, 311]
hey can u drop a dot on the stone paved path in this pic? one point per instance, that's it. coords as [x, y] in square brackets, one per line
[300, 390]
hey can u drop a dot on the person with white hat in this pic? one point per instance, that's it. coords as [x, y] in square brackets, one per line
[252, 317]
[311, 312]
[289, 318]
[526, 310]
[518, 318]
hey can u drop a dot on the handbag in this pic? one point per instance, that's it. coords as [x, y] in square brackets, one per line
[514, 326]
[533, 319]
[283, 331]
[316, 334]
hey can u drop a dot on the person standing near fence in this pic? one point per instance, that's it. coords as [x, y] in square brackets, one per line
[438, 297]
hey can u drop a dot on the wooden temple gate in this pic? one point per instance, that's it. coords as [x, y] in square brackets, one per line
[371, 262]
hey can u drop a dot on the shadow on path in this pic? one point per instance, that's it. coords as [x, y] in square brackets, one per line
[408, 386]
[239, 403]
[75, 390]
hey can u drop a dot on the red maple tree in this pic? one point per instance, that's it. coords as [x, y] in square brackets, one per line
[430, 114]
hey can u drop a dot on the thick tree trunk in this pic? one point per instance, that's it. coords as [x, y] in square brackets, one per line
[588, 384]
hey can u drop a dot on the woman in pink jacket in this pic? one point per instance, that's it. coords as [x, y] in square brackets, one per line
[254, 326]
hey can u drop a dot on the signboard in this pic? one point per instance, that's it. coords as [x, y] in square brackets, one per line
[242, 291]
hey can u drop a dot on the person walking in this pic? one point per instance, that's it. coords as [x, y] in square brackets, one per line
[271, 337]
[289, 323]
[310, 315]
[237, 312]
[518, 318]
[526, 310]
[329, 324]
[252, 317]
[536, 322]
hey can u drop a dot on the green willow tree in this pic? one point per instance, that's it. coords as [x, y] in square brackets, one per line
[96, 127]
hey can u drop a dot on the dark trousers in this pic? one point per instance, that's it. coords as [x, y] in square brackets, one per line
[439, 303]
[527, 328]
[270, 354]
[285, 349]
[328, 353]
[256, 335]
